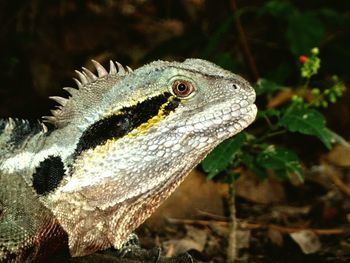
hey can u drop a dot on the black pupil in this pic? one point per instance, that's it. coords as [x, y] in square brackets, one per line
[181, 87]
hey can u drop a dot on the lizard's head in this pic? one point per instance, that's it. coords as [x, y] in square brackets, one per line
[141, 134]
[159, 114]
[204, 101]
[154, 125]
[196, 105]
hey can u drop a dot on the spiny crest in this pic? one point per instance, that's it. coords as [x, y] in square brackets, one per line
[25, 126]
[15, 134]
[90, 86]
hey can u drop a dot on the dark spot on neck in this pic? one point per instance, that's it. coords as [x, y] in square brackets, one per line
[48, 175]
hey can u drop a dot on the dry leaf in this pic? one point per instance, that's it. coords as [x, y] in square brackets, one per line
[275, 236]
[243, 238]
[340, 155]
[208, 200]
[307, 240]
[261, 192]
[280, 98]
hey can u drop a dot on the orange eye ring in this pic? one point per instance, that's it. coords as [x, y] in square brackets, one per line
[182, 88]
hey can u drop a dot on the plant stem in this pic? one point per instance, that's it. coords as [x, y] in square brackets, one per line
[271, 134]
[306, 84]
[232, 242]
[244, 42]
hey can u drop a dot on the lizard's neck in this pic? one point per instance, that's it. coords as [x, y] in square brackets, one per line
[127, 199]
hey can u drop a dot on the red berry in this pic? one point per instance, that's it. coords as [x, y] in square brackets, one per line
[303, 59]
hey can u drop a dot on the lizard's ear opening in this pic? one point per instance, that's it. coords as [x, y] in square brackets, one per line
[182, 88]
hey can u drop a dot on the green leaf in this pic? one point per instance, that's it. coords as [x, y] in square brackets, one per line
[281, 161]
[222, 156]
[304, 32]
[250, 162]
[307, 121]
[278, 8]
[331, 17]
[266, 86]
[230, 177]
[283, 175]
[336, 138]
[271, 112]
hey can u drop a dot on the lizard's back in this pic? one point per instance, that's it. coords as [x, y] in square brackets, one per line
[28, 230]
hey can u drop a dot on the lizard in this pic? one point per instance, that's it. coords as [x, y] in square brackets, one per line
[86, 177]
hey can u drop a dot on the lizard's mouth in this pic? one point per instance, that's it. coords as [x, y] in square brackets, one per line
[217, 123]
[234, 120]
[223, 115]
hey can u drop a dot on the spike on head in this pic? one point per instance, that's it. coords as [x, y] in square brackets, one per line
[71, 90]
[82, 77]
[91, 88]
[121, 69]
[59, 100]
[101, 71]
[91, 76]
[112, 68]
[79, 84]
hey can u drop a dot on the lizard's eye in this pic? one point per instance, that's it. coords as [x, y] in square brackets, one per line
[182, 88]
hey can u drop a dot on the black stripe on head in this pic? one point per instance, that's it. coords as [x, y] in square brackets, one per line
[48, 175]
[119, 125]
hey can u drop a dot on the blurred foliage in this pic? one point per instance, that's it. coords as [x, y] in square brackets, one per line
[256, 151]
[288, 106]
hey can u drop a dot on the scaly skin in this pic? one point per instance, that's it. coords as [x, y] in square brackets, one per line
[121, 145]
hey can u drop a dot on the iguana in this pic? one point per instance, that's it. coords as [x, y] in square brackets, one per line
[119, 145]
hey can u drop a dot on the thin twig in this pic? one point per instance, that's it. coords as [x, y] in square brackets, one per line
[244, 43]
[289, 230]
[252, 226]
[232, 246]
[337, 181]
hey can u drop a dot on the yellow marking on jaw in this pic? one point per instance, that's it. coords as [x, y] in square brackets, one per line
[101, 150]
[142, 129]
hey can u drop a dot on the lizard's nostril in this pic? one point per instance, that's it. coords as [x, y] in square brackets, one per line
[235, 86]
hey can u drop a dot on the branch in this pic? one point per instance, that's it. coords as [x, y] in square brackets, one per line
[251, 226]
[244, 43]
